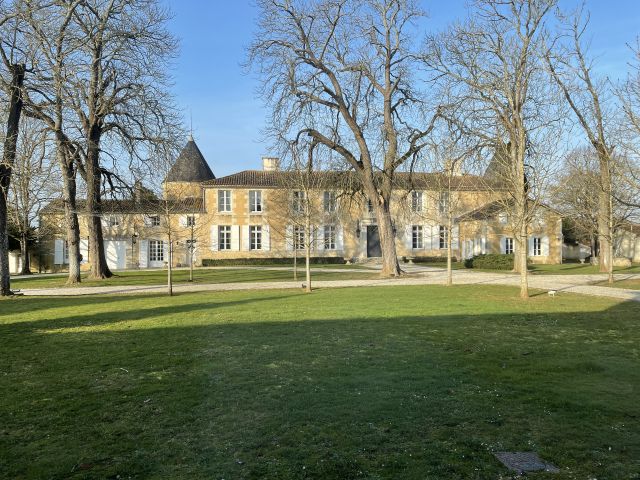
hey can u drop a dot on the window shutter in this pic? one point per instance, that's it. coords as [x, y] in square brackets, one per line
[244, 241]
[214, 238]
[339, 238]
[288, 238]
[183, 220]
[266, 238]
[408, 236]
[483, 244]
[84, 250]
[220, 201]
[165, 251]
[147, 220]
[320, 238]
[143, 255]
[545, 246]
[503, 244]
[530, 250]
[235, 237]
[434, 242]
[58, 252]
[455, 237]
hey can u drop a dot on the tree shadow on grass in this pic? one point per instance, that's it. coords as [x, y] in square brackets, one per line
[420, 396]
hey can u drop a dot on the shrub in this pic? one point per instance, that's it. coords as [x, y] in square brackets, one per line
[491, 261]
[427, 259]
[232, 262]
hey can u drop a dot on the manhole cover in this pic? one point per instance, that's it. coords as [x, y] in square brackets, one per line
[525, 462]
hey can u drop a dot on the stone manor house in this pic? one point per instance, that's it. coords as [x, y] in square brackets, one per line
[248, 215]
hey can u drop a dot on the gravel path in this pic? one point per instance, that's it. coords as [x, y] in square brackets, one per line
[419, 275]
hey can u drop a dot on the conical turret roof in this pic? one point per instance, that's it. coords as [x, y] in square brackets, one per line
[190, 166]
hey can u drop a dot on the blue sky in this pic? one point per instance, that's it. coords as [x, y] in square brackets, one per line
[212, 86]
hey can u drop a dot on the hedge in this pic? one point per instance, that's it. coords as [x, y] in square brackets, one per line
[228, 262]
[491, 261]
[427, 259]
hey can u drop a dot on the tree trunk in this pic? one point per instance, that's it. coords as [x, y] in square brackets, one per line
[71, 218]
[8, 159]
[24, 254]
[97, 258]
[170, 270]
[449, 281]
[307, 256]
[390, 265]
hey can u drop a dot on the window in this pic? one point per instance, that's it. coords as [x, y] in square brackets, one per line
[329, 202]
[329, 237]
[191, 221]
[298, 238]
[255, 201]
[298, 200]
[508, 245]
[154, 220]
[224, 237]
[255, 237]
[537, 247]
[443, 237]
[443, 203]
[369, 206]
[156, 251]
[417, 238]
[113, 221]
[503, 218]
[224, 201]
[65, 255]
[416, 201]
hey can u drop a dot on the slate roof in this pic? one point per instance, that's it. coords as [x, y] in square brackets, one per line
[488, 210]
[274, 179]
[145, 206]
[190, 166]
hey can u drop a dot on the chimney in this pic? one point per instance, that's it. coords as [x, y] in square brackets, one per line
[270, 164]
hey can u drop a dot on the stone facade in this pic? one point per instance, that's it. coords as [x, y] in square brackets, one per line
[250, 215]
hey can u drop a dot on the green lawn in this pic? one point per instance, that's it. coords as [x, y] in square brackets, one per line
[201, 275]
[562, 269]
[386, 382]
[633, 284]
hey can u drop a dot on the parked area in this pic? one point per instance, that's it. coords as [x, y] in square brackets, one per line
[391, 382]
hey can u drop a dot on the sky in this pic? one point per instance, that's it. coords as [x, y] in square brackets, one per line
[218, 95]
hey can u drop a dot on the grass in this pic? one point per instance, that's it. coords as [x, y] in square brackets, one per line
[537, 269]
[386, 382]
[632, 284]
[201, 275]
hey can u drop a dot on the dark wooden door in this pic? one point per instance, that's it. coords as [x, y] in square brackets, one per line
[373, 241]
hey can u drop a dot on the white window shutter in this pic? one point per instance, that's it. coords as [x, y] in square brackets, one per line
[143, 255]
[320, 238]
[183, 220]
[408, 236]
[244, 241]
[530, 247]
[266, 238]
[147, 220]
[288, 238]
[214, 238]
[483, 243]
[165, 250]
[58, 252]
[235, 237]
[84, 249]
[434, 242]
[545, 246]
[503, 244]
[339, 238]
[455, 237]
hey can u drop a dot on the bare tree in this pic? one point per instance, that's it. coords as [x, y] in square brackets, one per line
[120, 92]
[341, 72]
[32, 187]
[494, 67]
[15, 56]
[590, 98]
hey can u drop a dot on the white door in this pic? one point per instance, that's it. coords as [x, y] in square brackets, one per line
[116, 252]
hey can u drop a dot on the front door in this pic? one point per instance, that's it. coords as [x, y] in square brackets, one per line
[373, 241]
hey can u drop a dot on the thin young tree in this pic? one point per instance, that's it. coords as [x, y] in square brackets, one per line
[493, 64]
[591, 99]
[33, 185]
[342, 72]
